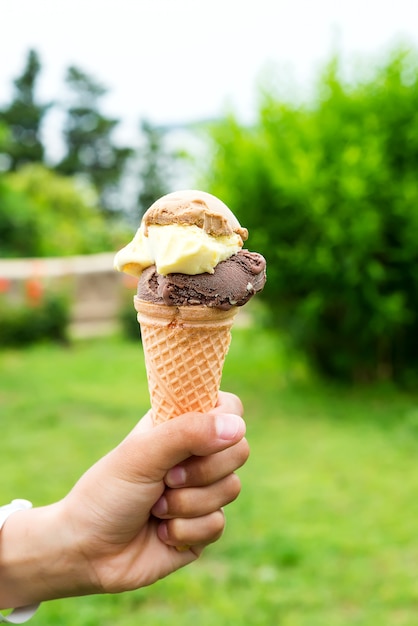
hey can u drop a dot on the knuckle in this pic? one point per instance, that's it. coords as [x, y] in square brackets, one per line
[218, 523]
[244, 451]
[177, 501]
[233, 487]
[175, 530]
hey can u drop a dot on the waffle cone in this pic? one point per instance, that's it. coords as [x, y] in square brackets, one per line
[185, 349]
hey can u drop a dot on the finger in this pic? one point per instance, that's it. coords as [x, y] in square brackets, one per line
[228, 403]
[145, 423]
[147, 456]
[200, 471]
[195, 501]
[199, 531]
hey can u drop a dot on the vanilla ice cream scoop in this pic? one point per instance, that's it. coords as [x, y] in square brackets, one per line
[188, 232]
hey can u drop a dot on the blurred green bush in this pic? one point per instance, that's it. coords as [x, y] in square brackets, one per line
[329, 192]
[42, 315]
[46, 214]
[128, 321]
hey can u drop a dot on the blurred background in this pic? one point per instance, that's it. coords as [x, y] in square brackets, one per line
[303, 117]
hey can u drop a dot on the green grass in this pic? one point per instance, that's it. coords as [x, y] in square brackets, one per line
[325, 531]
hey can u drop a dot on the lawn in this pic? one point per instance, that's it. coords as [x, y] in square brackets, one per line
[325, 532]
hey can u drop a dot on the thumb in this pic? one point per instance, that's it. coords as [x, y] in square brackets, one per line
[148, 453]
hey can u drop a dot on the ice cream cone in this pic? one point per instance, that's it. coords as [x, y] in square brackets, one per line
[185, 349]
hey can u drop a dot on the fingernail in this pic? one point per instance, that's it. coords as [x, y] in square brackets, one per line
[228, 425]
[160, 507]
[176, 476]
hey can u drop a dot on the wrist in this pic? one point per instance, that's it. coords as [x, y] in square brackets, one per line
[39, 561]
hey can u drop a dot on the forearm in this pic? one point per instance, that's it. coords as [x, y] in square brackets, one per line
[38, 560]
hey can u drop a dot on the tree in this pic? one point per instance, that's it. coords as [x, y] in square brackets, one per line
[19, 230]
[329, 193]
[154, 166]
[43, 213]
[24, 117]
[90, 149]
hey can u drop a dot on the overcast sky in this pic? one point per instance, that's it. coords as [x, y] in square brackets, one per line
[172, 61]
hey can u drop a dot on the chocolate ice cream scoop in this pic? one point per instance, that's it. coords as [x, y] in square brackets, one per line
[232, 284]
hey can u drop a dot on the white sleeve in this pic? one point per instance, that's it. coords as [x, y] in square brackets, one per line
[23, 613]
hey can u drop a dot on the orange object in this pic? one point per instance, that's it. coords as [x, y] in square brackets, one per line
[34, 291]
[5, 285]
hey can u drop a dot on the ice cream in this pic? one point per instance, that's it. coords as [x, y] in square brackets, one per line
[192, 276]
[188, 232]
[233, 282]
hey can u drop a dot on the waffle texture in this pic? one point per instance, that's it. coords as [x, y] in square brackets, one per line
[184, 349]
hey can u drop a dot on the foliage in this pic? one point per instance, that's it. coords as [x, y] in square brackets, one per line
[125, 178]
[127, 314]
[46, 214]
[329, 193]
[42, 315]
[19, 228]
[324, 530]
[90, 148]
[24, 116]
[154, 166]
[128, 322]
